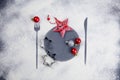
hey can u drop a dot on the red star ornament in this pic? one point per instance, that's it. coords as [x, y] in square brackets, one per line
[62, 27]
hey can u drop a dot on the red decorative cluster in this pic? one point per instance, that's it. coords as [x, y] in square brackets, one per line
[36, 19]
[74, 50]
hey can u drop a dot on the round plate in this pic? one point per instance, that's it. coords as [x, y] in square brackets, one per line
[56, 46]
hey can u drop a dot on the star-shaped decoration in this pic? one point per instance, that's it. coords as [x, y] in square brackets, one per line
[62, 27]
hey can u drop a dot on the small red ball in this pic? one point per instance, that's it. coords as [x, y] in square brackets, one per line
[48, 18]
[74, 51]
[36, 19]
[77, 41]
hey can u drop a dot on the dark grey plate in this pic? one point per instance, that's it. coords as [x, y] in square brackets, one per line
[56, 47]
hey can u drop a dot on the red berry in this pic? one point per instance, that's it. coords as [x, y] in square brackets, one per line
[48, 18]
[36, 19]
[77, 41]
[74, 51]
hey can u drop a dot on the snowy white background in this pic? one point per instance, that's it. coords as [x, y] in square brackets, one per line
[17, 39]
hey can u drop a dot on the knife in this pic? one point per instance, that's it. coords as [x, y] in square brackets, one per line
[85, 48]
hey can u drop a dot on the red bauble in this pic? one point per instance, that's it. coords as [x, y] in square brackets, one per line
[77, 41]
[36, 19]
[74, 51]
[48, 18]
